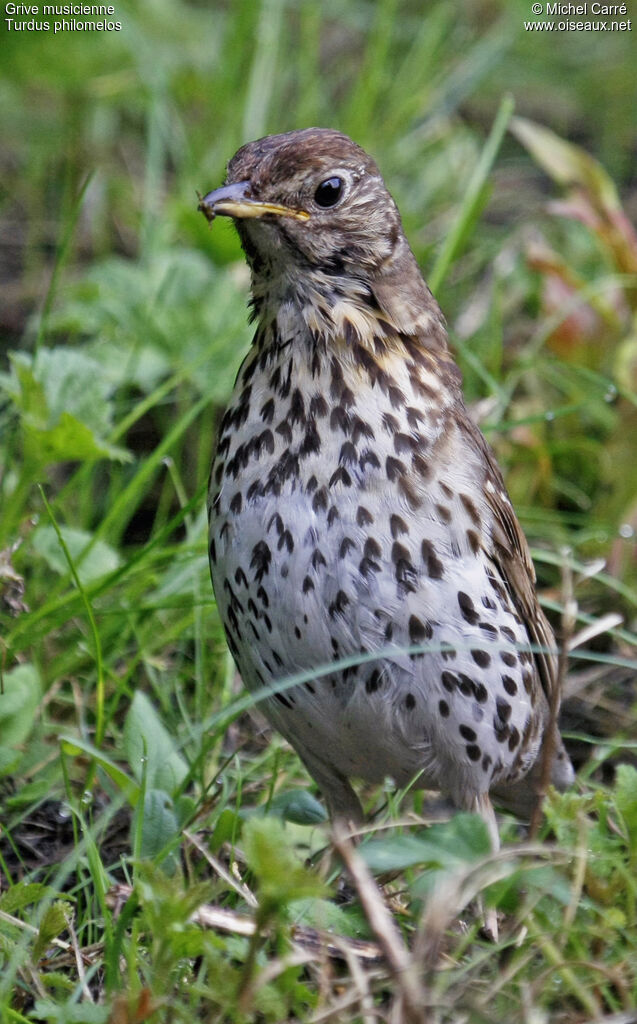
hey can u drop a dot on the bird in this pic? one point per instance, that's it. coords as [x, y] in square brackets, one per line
[357, 513]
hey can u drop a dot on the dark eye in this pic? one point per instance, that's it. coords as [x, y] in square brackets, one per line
[329, 192]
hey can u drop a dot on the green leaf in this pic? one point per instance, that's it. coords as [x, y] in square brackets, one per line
[281, 875]
[298, 806]
[52, 924]
[227, 829]
[463, 839]
[159, 824]
[22, 894]
[626, 799]
[146, 737]
[71, 1013]
[19, 698]
[62, 396]
[100, 560]
[75, 745]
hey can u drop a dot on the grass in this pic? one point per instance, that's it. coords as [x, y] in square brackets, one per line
[162, 855]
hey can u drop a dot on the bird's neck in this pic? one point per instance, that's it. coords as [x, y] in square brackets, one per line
[320, 309]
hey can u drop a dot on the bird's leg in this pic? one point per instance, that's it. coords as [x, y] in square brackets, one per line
[342, 803]
[482, 805]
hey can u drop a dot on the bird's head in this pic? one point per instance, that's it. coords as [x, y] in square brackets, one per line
[309, 199]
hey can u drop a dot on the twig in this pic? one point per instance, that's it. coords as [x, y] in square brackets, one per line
[401, 965]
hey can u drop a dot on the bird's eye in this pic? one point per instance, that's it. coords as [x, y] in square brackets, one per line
[329, 192]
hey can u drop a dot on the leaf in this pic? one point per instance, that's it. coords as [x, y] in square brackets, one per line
[52, 924]
[159, 825]
[19, 698]
[565, 163]
[62, 395]
[281, 875]
[70, 1013]
[463, 839]
[22, 894]
[298, 806]
[74, 745]
[146, 737]
[100, 560]
[626, 799]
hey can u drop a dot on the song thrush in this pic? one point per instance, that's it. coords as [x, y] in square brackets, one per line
[355, 508]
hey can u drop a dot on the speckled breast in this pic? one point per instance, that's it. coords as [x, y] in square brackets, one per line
[331, 537]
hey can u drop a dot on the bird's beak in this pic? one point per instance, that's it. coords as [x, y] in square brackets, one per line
[233, 201]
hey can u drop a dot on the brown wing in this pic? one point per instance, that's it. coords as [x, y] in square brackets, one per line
[510, 553]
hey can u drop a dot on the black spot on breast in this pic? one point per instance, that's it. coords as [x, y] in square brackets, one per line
[473, 752]
[339, 604]
[406, 574]
[340, 476]
[514, 738]
[267, 410]
[503, 709]
[240, 578]
[282, 699]
[372, 683]
[467, 733]
[367, 566]
[443, 708]
[435, 569]
[480, 692]
[419, 466]
[317, 559]
[449, 681]
[308, 585]
[404, 443]
[285, 430]
[339, 419]
[262, 596]
[446, 490]
[390, 423]
[471, 509]
[347, 544]
[473, 540]
[285, 540]
[319, 501]
[369, 458]
[361, 429]
[481, 658]
[419, 631]
[397, 526]
[348, 454]
[372, 548]
[363, 516]
[394, 468]
[414, 416]
[260, 561]
[297, 408]
[467, 685]
[510, 685]
[333, 515]
[508, 658]
[467, 609]
[507, 633]
[443, 512]
[410, 702]
[318, 406]
[311, 444]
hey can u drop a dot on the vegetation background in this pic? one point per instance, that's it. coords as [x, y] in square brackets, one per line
[134, 784]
